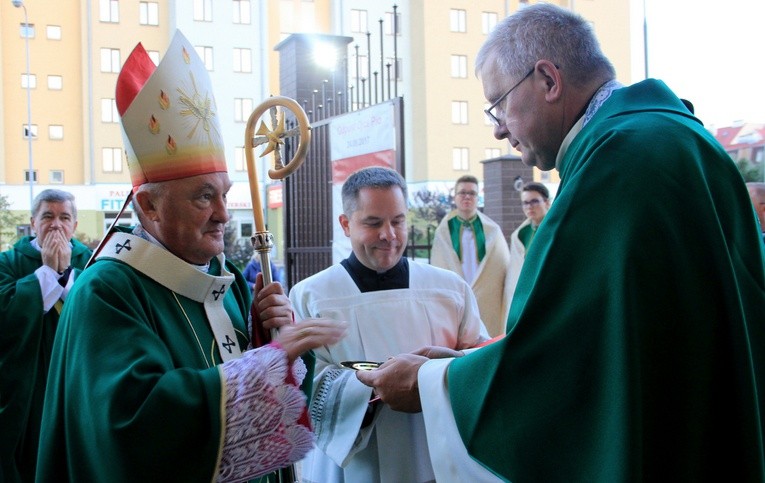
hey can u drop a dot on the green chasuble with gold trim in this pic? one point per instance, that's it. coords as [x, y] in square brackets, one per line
[134, 393]
[636, 343]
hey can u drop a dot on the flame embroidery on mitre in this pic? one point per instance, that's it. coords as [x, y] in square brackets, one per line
[170, 146]
[198, 106]
[186, 57]
[164, 100]
[153, 125]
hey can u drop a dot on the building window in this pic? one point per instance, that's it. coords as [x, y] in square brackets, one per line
[109, 11]
[26, 176]
[53, 32]
[27, 130]
[242, 60]
[148, 13]
[492, 153]
[246, 229]
[390, 25]
[359, 21]
[203, 10]
[28, 81]
[241, 12]
[460, 159]
[240, 162]
[125, 219]
[55, 82]
[286, 19]
[56, 132]
[206, 54]
[56, 176]
[27, 30]
[395, 73]
[457, 20]
[459, 112]
[154, 56]
[111, 160]
[110, 60]
[488, 21]
[109, 111]
[363, 67]
[242, 109]
[459, 66]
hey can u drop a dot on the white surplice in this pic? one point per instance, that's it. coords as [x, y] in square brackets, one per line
[438, 308]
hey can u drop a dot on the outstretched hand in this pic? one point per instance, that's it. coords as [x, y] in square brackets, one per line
[309, 334]
[396, 382]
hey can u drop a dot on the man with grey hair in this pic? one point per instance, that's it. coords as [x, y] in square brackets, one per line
[636, 345]
[392, 305]
[153, 376]
[35, 278]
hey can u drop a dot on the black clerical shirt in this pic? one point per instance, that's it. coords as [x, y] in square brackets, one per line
[368, 280]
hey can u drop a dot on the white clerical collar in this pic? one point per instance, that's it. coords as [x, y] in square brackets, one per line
[138, 230]
[601, 95]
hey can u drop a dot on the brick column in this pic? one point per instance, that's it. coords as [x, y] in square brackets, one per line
[502, 179]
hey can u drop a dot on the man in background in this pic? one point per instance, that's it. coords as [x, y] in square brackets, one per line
[472, 245]
[392, 305]
[535, 200]
[35, 278]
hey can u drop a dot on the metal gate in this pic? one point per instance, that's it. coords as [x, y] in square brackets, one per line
[308, 223]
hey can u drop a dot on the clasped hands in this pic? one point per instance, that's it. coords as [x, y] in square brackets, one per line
[55, 250]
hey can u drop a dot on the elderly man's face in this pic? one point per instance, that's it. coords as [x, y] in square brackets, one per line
[524, 117]
[190, 216]
[55, 216]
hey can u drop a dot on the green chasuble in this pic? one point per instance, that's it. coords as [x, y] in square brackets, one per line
[635, 350]
[134, 392]
[26, 341]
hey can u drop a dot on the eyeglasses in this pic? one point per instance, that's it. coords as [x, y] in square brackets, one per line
[533, 202]
[494, 119]
[471, 194]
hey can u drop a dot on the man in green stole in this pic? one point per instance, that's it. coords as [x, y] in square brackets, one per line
[35, 278]
[152, 375]
[636, 340]
[472, 245]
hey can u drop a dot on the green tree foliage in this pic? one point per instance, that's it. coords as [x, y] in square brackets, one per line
[8, 223]
[237, 250]
[427, 210]
[750, 171]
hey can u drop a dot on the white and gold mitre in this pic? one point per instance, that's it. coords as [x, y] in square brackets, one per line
[169, 118]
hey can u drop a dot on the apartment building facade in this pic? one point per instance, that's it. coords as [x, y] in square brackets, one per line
[77, 49]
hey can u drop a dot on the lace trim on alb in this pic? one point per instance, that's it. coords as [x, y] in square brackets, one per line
[262, 431]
